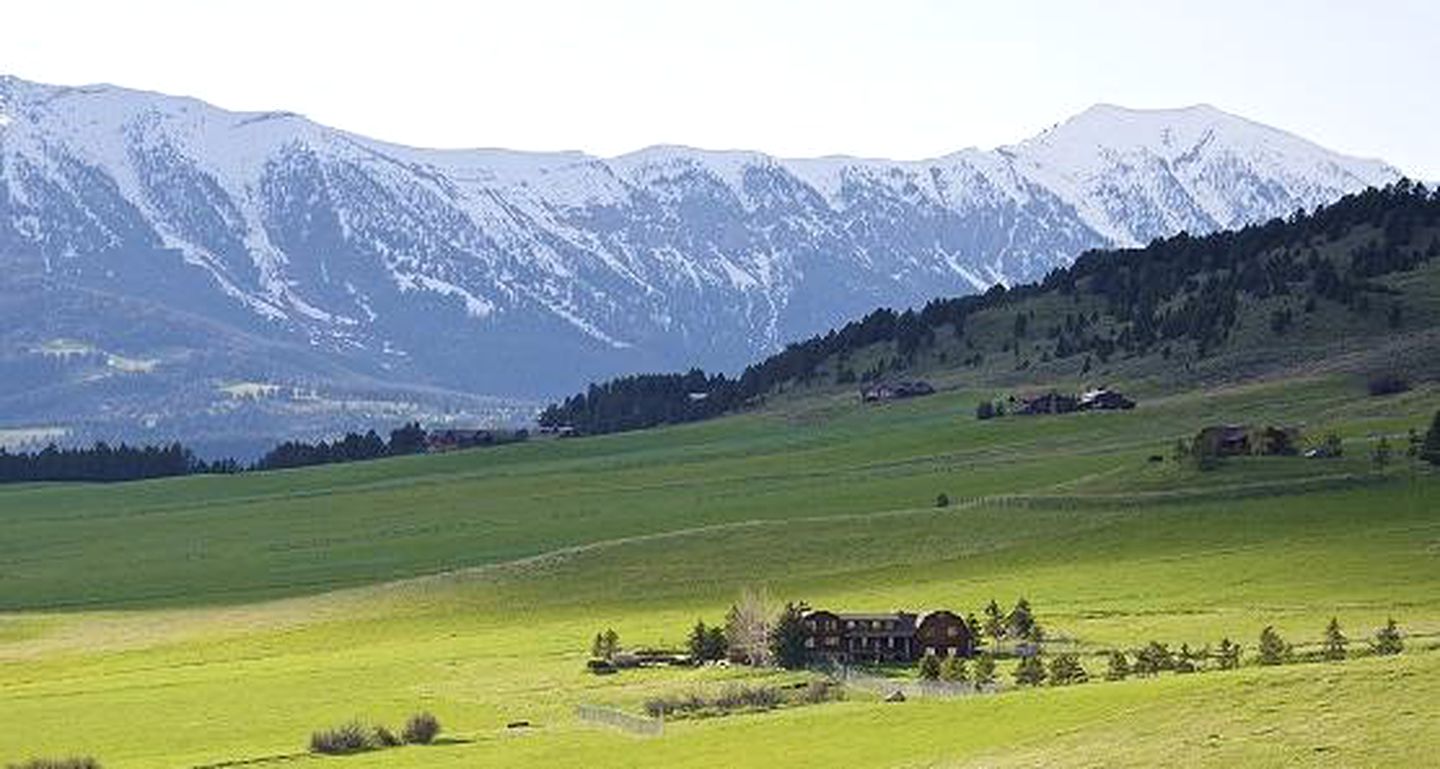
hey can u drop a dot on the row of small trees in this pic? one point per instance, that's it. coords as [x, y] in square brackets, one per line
[1155, 658]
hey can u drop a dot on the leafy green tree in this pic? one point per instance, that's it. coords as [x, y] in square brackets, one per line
[1228, 654]
[1065, 669]
[930, 667]
[1387, 639]
[942, 500]
[1333, 445]
[1335, 640]
[985, 670]
[787, 638]
[1030, 671]
[1273, 649]
[952, 669]
[1119, 668]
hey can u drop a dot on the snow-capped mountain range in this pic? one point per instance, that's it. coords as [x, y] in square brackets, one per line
[263, 248]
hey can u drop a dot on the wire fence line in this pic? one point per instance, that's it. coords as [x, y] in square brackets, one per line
[619, 719]
[910, 689]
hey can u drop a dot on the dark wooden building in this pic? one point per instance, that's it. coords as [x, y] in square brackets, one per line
[1047, 403]
[944, 633]
[888, 391]
[1104, 399]
[886, 637]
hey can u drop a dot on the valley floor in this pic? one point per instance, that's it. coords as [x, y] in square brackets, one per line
[201, 621]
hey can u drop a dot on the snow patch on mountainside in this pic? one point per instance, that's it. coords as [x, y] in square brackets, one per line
[488, 270]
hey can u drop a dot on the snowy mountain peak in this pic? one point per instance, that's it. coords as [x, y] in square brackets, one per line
[156, 223]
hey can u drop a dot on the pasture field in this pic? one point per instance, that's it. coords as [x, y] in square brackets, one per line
[197, 621]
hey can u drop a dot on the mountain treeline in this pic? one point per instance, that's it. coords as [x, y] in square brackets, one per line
[102, 462]
[353, 447]
[1178, 290]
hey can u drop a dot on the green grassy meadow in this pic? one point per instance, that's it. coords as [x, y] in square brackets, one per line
[204, 620]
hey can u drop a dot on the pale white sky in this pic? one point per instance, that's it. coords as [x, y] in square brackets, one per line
[891, 78]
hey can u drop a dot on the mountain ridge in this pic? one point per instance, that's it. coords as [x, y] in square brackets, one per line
[523, 274]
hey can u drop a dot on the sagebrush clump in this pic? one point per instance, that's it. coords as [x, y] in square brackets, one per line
[421, 729]
[342, 740]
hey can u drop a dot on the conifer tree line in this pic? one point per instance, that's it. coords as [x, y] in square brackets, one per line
[102, 462]
[1154, 657]
[1182, 289]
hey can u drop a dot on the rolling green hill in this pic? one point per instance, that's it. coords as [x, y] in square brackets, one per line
[219, 620]
[202, 620]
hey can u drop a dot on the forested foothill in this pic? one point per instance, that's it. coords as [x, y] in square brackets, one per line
[102, 462]
[1180, 295]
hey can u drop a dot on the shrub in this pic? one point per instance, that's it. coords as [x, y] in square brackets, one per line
[1030, 672]
[740, 696]
[349, 738]
[1228, 654]
[1065, 669]
[930, 667]
[421, 729]
[1387, 639]
[72, 762]
[942, 500]
[817, 692]
[732, 697]
[985, 670]
[1119, 668]
[384, 738]
[1152, 659]
[1190, 660]
[952, 669]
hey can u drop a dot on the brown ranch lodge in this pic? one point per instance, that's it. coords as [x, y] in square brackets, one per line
[889, 637]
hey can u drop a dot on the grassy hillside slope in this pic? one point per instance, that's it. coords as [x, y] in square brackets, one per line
[203, 620]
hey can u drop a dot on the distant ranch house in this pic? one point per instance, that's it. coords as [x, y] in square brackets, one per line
[456, 439]
[885, 637]
[1096, 399]
[1242, 440]
[889, 391]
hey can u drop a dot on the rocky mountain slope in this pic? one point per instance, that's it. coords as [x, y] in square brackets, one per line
[179, 269]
